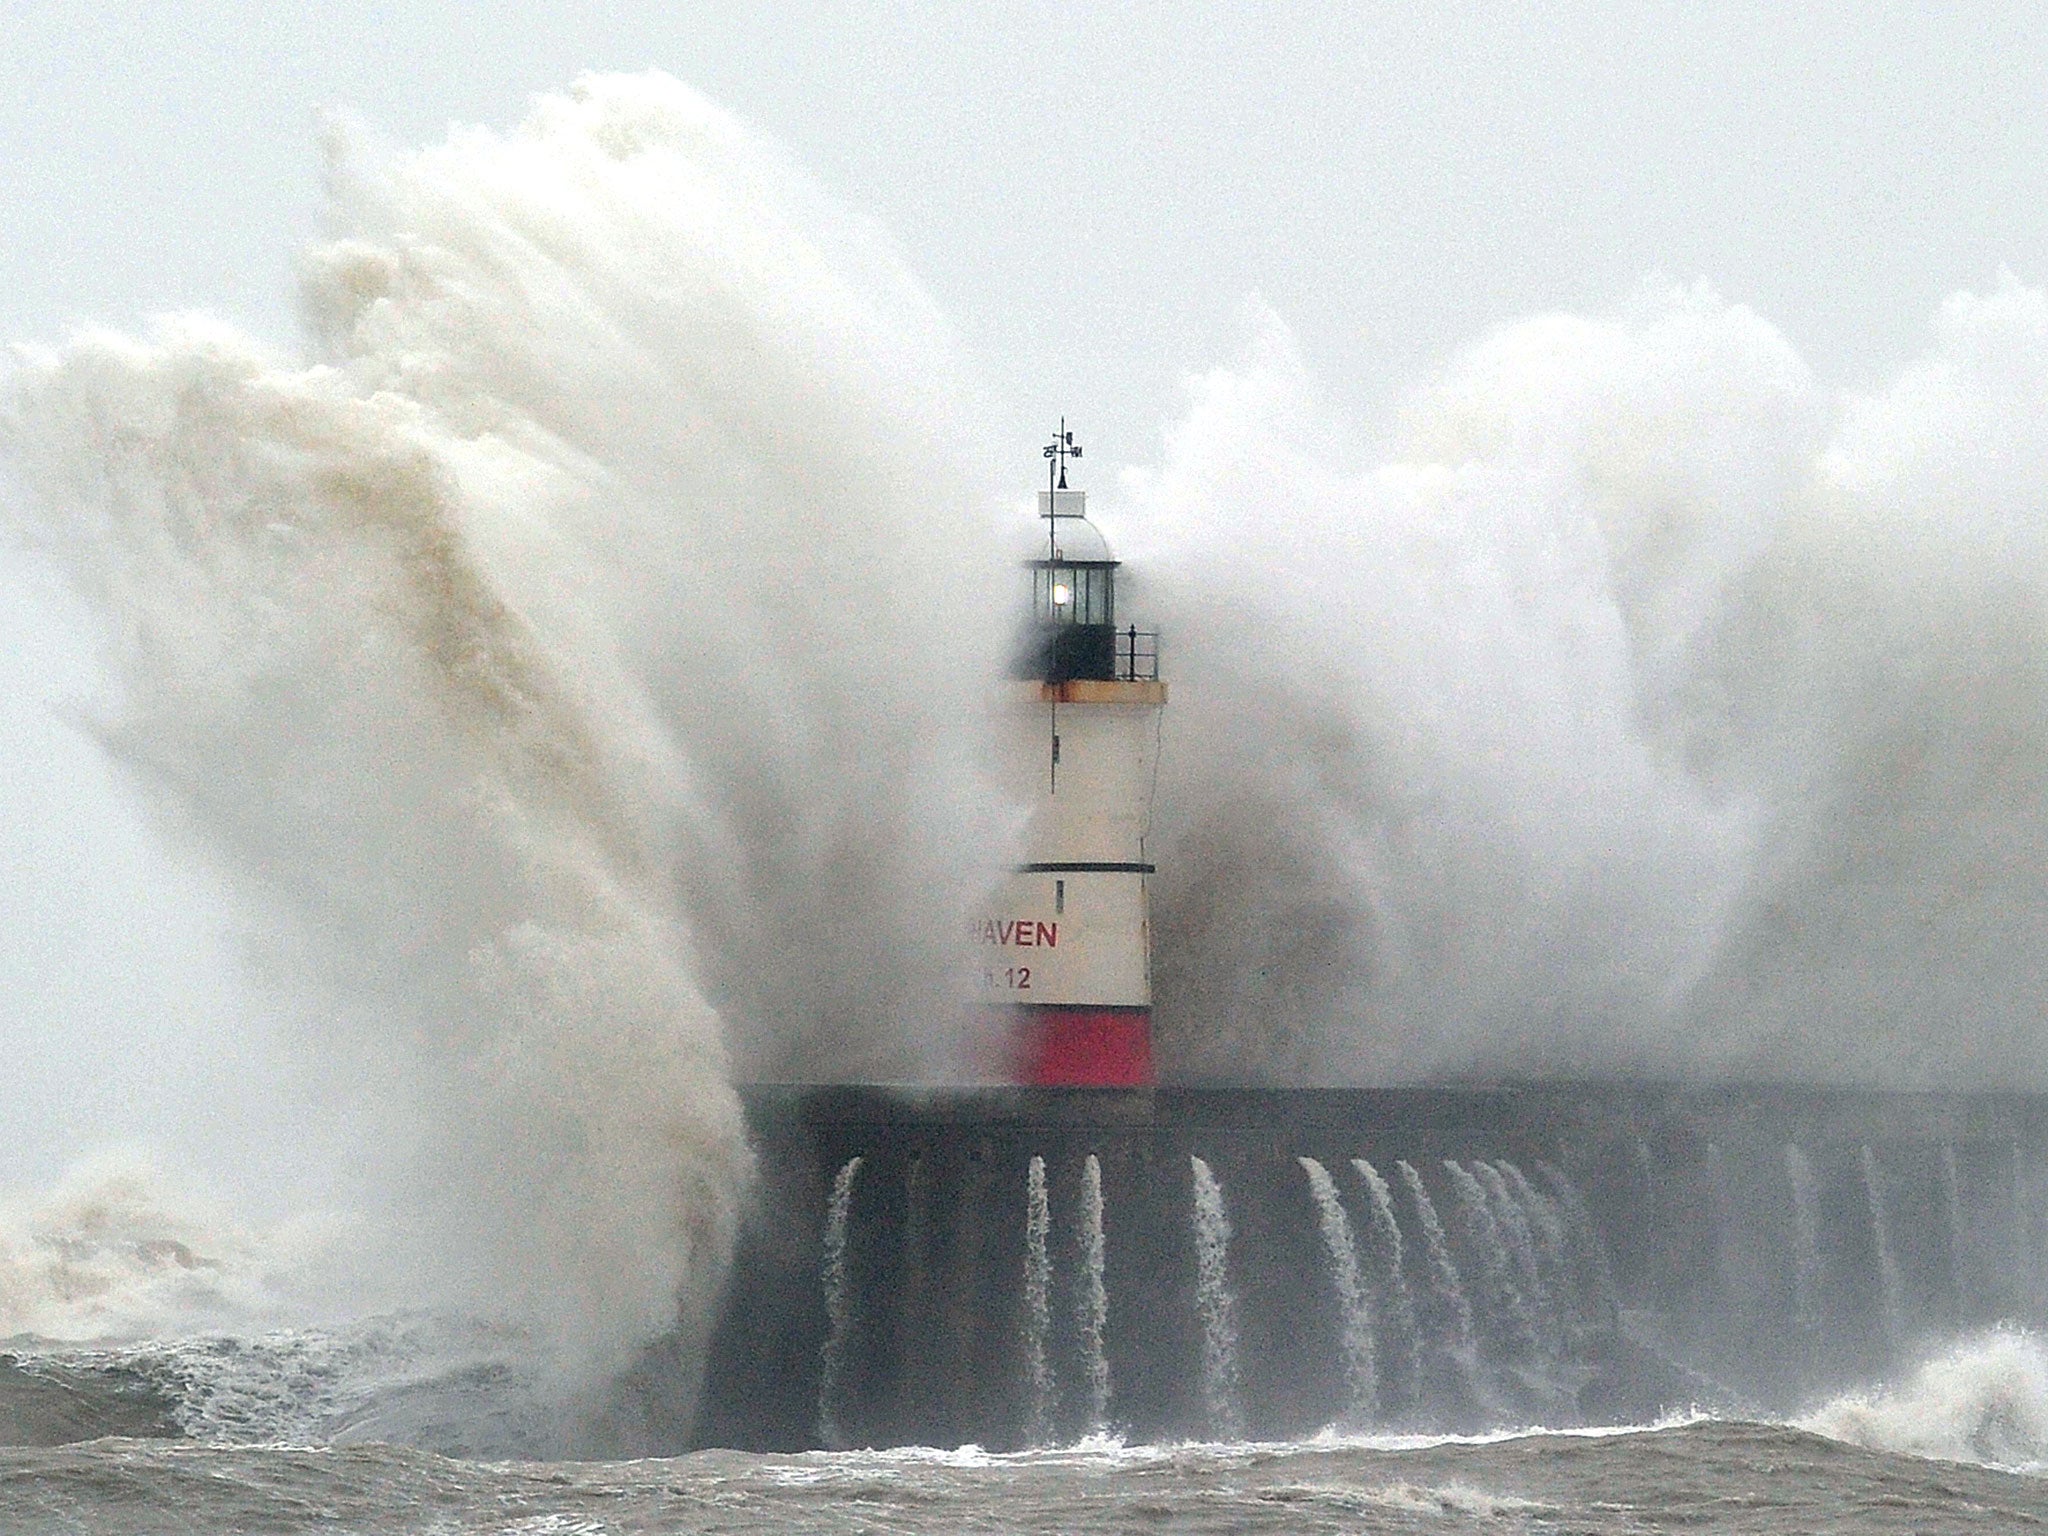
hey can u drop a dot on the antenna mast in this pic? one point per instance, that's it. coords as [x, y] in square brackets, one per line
[1057, 452]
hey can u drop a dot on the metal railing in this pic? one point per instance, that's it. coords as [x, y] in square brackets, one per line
[1137, 655]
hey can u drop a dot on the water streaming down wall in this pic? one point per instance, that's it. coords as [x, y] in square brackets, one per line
[1510, 1325]
[1609, 1254]
[1092, 1303]
[1540, 1212]
[1518, 1234]
[838, 1303]
[1349, 1285]
[1038, 1300]
[1218, 1306]
[1397, 1305]
[1562, 1304]
[1456, 1333]
[1593, 1274]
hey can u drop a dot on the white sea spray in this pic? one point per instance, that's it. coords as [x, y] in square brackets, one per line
[534, 658]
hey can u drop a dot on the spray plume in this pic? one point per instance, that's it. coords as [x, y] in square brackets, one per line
[1650, 710]
[540, 653]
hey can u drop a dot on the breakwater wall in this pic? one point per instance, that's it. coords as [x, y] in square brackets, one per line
[1018, 1266]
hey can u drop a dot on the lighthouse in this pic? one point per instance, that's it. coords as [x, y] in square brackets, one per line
[1065, 950]
[922, 1327]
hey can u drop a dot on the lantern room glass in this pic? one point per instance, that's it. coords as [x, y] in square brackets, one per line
[1074, 594]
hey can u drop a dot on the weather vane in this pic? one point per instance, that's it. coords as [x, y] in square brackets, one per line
[1058, 451]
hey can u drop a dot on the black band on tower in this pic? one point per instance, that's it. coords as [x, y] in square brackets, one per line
[1087, 868]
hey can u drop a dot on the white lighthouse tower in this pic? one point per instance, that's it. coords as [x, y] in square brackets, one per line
[1066, 949]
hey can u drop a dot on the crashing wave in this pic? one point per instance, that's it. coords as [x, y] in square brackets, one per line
[1984, 1400]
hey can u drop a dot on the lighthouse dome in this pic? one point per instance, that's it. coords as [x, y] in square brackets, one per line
[1080, 542]
[1075, 540]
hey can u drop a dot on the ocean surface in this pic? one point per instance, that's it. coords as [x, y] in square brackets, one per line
[1703, 1476]
[293, 1432]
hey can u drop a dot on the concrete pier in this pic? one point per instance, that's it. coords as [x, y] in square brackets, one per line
[1685, 1286]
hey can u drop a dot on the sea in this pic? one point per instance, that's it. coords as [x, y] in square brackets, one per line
[296, 1431]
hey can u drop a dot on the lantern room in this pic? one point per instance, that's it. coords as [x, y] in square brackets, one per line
[1073, 596]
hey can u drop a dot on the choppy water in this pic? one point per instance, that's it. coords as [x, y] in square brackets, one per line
[1700, 1476]
[1957, 1445]
[457, 1389]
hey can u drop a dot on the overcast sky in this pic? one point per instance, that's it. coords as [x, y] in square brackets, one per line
[1090, 193]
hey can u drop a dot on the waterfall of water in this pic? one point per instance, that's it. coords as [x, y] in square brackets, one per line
[1387, 1237]
[1360, 1367]
[1038, 1300]
[1508, 1306]
[1553, 1246]
[838, 1305]
[1586, 1234]
[1092, 1302]
[1514, 1225]
[1218, 1306]
[1544, 1219]
[1959, 1267]
[1567, 1302]
[1887, 1257]
[1462, 1343]
[1806, 1272]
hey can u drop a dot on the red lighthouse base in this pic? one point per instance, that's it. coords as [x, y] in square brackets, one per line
[1082, 1047]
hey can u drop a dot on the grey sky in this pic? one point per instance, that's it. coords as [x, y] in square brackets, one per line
[1090, 194]
[1091, 190]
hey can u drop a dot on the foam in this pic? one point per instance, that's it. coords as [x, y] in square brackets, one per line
[120, 1247]
[1984, 1399]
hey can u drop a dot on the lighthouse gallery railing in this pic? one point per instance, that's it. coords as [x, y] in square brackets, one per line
[1137, 655]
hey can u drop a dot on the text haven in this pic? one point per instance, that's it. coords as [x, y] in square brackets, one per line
[1018, 932]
